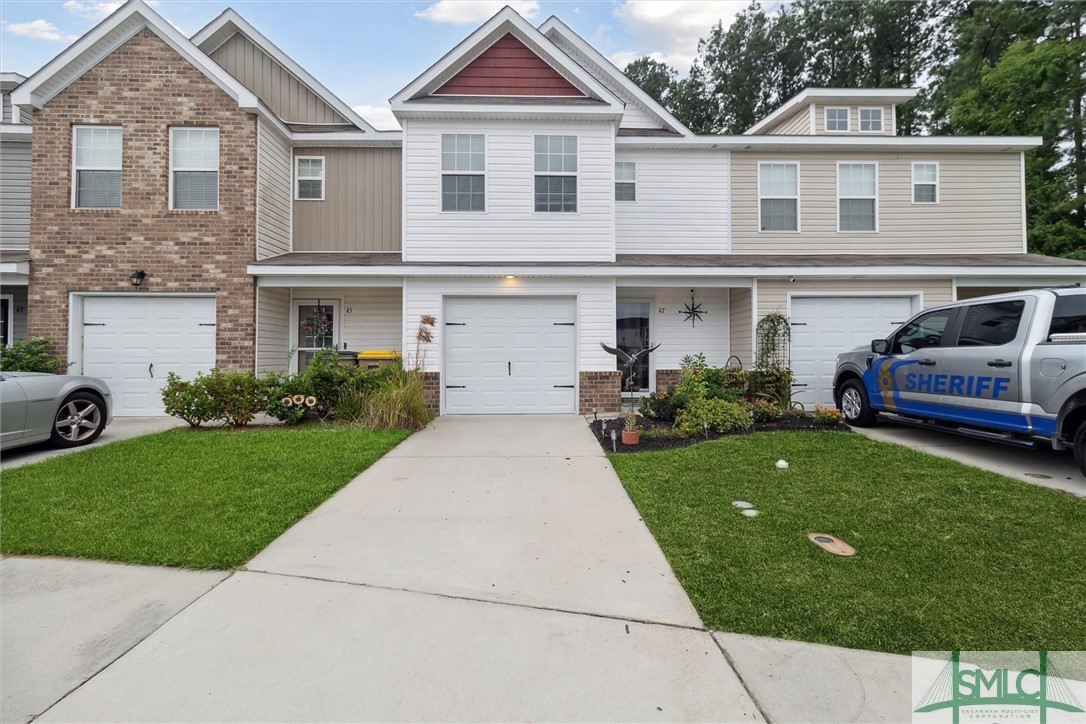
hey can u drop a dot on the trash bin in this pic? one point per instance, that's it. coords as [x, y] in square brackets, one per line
[348, 358]
[374, 358]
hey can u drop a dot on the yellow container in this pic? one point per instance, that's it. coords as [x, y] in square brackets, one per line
[374, 358]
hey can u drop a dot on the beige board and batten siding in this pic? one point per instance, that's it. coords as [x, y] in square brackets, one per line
[979, 209]
[741, 310]
[272, 330]
[361, 206]
[510, 229]
[287, 96]
[773, 294]
[371, 318]
[595, 321]
[853, 119]
[681, 205]
[273, 180]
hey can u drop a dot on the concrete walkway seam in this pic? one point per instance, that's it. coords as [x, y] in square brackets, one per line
[739, 675]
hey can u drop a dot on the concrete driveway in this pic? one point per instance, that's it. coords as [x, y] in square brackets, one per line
[487, 569]
[122, 428]
[1042, 466]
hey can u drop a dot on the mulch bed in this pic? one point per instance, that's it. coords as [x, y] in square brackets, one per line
[602, 430]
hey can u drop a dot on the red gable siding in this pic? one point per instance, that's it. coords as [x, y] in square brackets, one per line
[508, 68]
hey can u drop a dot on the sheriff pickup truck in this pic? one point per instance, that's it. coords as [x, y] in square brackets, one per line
[1009, 368]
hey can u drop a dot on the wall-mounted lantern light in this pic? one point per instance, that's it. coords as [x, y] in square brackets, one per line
[137, 277]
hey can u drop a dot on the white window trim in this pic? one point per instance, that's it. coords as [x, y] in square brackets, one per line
[799, 220]
[838, 202]
[484, 173]
[218, 179]
[826, 119]
[575, 174]
[297, 178]
[617, 181]
[76, 169]
[10, 320]
[912, 186]
[860, 120]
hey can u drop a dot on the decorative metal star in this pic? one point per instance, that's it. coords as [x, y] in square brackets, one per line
[693, 311]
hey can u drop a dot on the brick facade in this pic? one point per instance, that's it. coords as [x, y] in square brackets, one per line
[664, 378]
[145, 88]
[431, 391]
[601, 390]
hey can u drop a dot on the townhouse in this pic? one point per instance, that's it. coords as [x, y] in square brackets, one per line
[201, 201]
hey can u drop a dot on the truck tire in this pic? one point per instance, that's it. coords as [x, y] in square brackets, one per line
[853, 404]
[1079, 446]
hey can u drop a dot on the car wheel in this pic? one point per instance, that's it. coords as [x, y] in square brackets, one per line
[80, 420]
[853, 404]
[1079, 446]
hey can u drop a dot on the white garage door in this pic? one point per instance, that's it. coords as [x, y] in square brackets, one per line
[823, 327]
[133, 342]
[507, 355]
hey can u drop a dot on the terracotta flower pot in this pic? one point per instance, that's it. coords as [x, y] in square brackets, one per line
[631, 437]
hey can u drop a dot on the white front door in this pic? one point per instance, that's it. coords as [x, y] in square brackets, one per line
[823, 327]
[133, 341]
[510, 355]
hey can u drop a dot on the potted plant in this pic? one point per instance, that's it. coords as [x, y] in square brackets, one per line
[631, 433]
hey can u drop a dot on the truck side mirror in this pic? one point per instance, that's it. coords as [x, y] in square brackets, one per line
[880, 346]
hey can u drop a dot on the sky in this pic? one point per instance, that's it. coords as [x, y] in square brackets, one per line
[365, 51]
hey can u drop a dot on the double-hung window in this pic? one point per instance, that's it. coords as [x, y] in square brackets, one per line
[870, 120]
[463, 166]
[96, 165]
[194, 168]
[837, 119]
[925, 183]
[857, 197]
[556, 173]
[778, 197]
[309, 178]
[625, 181]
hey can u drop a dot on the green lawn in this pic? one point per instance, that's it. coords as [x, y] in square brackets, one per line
[948, 557]
[192, 498]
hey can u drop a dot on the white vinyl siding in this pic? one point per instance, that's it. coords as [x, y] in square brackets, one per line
[625, 181]
[194, 169]
[595, 320]
[96, 167]
[682, 203]
[979, 209]
[858, 196]
[778, 196]
[510, 230]
[871, 120]
[837, 119]
[463, 166]
[371, 318]
[309, 178]
[925, 183]
[272, 330]
[675, 335]
[273, 192]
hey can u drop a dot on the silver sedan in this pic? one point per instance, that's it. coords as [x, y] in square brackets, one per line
[66, 410]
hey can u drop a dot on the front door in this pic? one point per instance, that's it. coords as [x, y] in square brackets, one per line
[632, 336]
[315, 327]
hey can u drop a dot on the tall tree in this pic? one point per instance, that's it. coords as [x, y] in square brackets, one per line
[655, 78]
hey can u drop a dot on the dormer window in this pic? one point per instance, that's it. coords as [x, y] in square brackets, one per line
[870, 120]
[836, 119]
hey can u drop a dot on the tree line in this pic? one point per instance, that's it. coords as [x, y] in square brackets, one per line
[999, 67]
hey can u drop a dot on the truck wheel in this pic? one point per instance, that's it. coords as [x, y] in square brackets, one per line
[1079, 445]
[855, 409]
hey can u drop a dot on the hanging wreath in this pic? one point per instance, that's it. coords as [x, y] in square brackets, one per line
[318, 324]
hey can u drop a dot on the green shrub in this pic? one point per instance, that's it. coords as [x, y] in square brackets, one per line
[662, 433]
[714, 414]
[236, 396]
[398, 401]
[764, 410]
[658, 405]
[287, 397]
[774, 384]
[32, 355]
[353, 405]
[188, 400]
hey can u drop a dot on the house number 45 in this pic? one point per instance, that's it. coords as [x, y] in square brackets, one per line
[348, 310]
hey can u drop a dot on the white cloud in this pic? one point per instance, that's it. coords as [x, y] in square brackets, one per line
[39, 30]
[91, 9]
[462, 12]
[669, 30]
[380, 117]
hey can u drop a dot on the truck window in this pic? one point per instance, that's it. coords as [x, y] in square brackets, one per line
[991, 324]
[1069, 315]
[924, 331]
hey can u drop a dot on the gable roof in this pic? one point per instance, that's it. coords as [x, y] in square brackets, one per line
[230, 23]
[890, 96]
[508, 68]
[583, 53]
[506, 22]
[107, 36]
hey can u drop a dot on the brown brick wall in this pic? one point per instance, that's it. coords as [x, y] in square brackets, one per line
[664, 378]
[601, 391]
[145, 88]
[431, 390]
